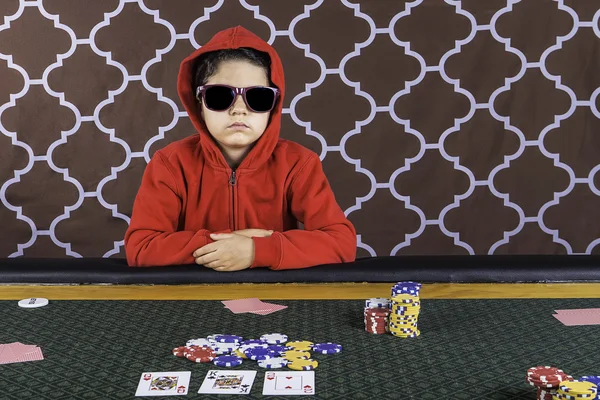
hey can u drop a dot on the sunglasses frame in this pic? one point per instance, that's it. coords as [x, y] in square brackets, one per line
[201, 90]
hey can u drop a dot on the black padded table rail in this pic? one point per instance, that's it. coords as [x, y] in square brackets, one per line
[493, 269]
[468, 349]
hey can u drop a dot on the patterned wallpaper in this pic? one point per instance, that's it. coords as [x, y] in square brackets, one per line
[445, 127]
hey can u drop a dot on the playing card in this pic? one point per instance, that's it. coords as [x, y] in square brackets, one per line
[228, 382]
[18, 352]
[269, 308]
[243, 305]
[251, 305]
[289, 383]
[164, 383]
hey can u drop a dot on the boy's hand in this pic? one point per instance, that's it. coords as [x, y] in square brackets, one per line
[254, 232]
[229, 252]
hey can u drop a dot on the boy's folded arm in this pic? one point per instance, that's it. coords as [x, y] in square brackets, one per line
[328, 237]
[152, 237]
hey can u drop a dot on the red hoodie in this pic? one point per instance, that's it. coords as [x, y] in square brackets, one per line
[187, 191]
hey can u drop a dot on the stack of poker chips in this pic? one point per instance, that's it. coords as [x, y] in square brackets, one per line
[404, 316]
[377, 312]
[405, 309]
[547, 381]
[576, 390]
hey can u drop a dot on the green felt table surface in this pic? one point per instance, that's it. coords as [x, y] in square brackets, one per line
[468, 349]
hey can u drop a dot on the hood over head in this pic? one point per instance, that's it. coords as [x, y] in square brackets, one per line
[233, 38]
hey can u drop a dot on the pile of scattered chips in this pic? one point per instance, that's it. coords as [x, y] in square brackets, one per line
[272, 350]
[398, 315]
[547, 380]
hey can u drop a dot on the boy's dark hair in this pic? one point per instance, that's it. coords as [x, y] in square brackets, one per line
[208, 63]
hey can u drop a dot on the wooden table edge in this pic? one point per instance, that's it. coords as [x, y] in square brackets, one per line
[295, 291]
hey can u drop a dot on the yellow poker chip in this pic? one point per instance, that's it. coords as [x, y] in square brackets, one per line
[301, 345]
[575, 388]
[405, 298]
[293, 354]
[239, 353]
[300, 364]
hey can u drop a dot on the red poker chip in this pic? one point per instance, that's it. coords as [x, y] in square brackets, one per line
[543, 372]
[200, 354]
[179, 351]
[377, 311]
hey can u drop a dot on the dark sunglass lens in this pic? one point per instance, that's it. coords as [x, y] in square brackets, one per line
[219, 98]
[260, 99]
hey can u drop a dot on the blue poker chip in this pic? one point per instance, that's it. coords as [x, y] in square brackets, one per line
[259, 353]
[228, 361]
[252, 342]
[595, 379]
[327, 348]
[228, 339]
[278, 349]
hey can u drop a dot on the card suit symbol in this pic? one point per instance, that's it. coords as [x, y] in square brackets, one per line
[181, 389]
[288, 387]
[212, 377]
[270, 377]
[289, 377]
[147, 377]
[307, 387]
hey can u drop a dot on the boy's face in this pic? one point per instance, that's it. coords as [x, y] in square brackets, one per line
[236, 139]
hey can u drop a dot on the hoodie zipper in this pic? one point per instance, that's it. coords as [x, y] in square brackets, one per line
[232, 182]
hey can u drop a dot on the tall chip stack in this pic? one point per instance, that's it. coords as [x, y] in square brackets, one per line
[398, 315]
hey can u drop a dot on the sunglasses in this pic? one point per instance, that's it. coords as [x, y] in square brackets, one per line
[259, 99]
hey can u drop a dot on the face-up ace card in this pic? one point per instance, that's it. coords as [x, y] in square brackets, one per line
[164, 384]
[284, 383]
[228, 382]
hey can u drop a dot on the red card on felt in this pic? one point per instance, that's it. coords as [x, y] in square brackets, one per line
[243, 305]
[574, 319]
[18, 352]
[251, 305]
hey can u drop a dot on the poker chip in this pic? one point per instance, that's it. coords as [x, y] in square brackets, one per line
[327, 348]
[198, 342]
[179, 351]
[252, 342]
[200, 354]
[377, 302]
[577, 390]
[292, 354]
[273, 363]
[228, 339]
[278, 349]
[227, 361]
[239, 353]
[301, 364]
[259, 353]
[213, 336]
[301, 345]
[377, 312]
[224, 347]
[274, 338]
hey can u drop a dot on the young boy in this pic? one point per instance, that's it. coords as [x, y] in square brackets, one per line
[231, 196]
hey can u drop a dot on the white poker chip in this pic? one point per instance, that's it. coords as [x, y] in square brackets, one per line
[274, 338]
[377, 302]
[224, 348]
[213, 336]
[272, 363]
[34, 302]
[199, 342]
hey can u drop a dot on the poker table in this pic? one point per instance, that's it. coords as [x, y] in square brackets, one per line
[477, 338]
